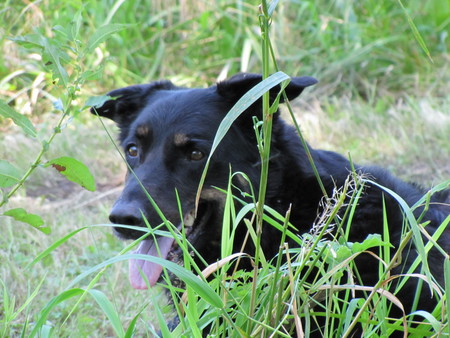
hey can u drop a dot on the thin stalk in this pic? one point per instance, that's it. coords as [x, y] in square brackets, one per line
[299, 132]
[267, 122]
[277, 274]
[264, 19]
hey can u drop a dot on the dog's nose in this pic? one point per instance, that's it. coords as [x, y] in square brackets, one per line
[126, 214]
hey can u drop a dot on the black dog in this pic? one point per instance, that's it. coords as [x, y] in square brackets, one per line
[167, 133]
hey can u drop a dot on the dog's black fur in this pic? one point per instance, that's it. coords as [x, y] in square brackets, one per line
[167, 133]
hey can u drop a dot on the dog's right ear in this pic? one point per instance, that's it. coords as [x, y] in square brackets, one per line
[235, 87]
[127, 102]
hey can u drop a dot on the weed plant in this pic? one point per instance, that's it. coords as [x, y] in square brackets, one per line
[285, 295]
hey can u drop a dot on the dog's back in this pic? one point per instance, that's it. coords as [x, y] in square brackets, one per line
[167, 133]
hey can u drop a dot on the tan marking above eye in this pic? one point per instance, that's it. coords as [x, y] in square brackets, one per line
[180, 139]
[142, 131]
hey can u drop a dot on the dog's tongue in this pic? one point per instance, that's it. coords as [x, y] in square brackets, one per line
[151, 270]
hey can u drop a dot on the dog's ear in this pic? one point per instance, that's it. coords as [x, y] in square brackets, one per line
[127, 102]
[235, 87]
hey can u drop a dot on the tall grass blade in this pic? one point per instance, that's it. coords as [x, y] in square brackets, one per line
[99, 297]
[109, 310]
[163, 327]
[416, 33]
[244, 102]
[419, 245]
[52, 247]
[436, 324]
[63, 296]
[273, 4]
[447, 289]
[31, 297]
[199, 286]
[130, 331]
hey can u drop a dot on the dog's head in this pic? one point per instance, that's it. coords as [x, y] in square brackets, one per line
[166, 133]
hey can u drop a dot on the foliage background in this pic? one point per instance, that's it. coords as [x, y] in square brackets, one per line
[379, 98]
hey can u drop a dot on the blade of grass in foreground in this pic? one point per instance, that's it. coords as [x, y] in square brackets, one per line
[52, 247]
[9, 314]
[413, 224]
[201, 288]
[244, 102]
[99, 297]
[132, 325]
[447, 287]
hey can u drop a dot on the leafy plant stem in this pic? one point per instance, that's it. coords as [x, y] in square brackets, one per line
[264, 20]
[44, 148]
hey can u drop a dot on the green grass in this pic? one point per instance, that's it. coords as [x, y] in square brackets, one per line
[379, 98]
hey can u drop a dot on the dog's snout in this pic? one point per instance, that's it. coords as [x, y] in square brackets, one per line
[126, 214]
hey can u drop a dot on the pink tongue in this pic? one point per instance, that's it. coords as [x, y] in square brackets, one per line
[151, 270]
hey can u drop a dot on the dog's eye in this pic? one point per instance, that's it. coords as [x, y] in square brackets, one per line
[132, 150]
[196, 155]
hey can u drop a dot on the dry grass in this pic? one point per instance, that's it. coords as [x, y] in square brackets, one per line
[409, 137]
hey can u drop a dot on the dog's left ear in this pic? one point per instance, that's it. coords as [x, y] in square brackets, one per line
[127, 102]
[235, 87]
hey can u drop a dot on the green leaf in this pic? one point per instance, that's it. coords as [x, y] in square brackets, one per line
[102, 34]
[9, 175]
[272, 6]
[19, 119]
[75, 26]
[91, 75]
[97, 101]
[53, 55]
[371, 241]
[342, 252]
[435, 323]
[30, 41]
[21, 215]
[74, 171]
[61, 30]
[162, 321]
[109, 311]
[53, 58]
